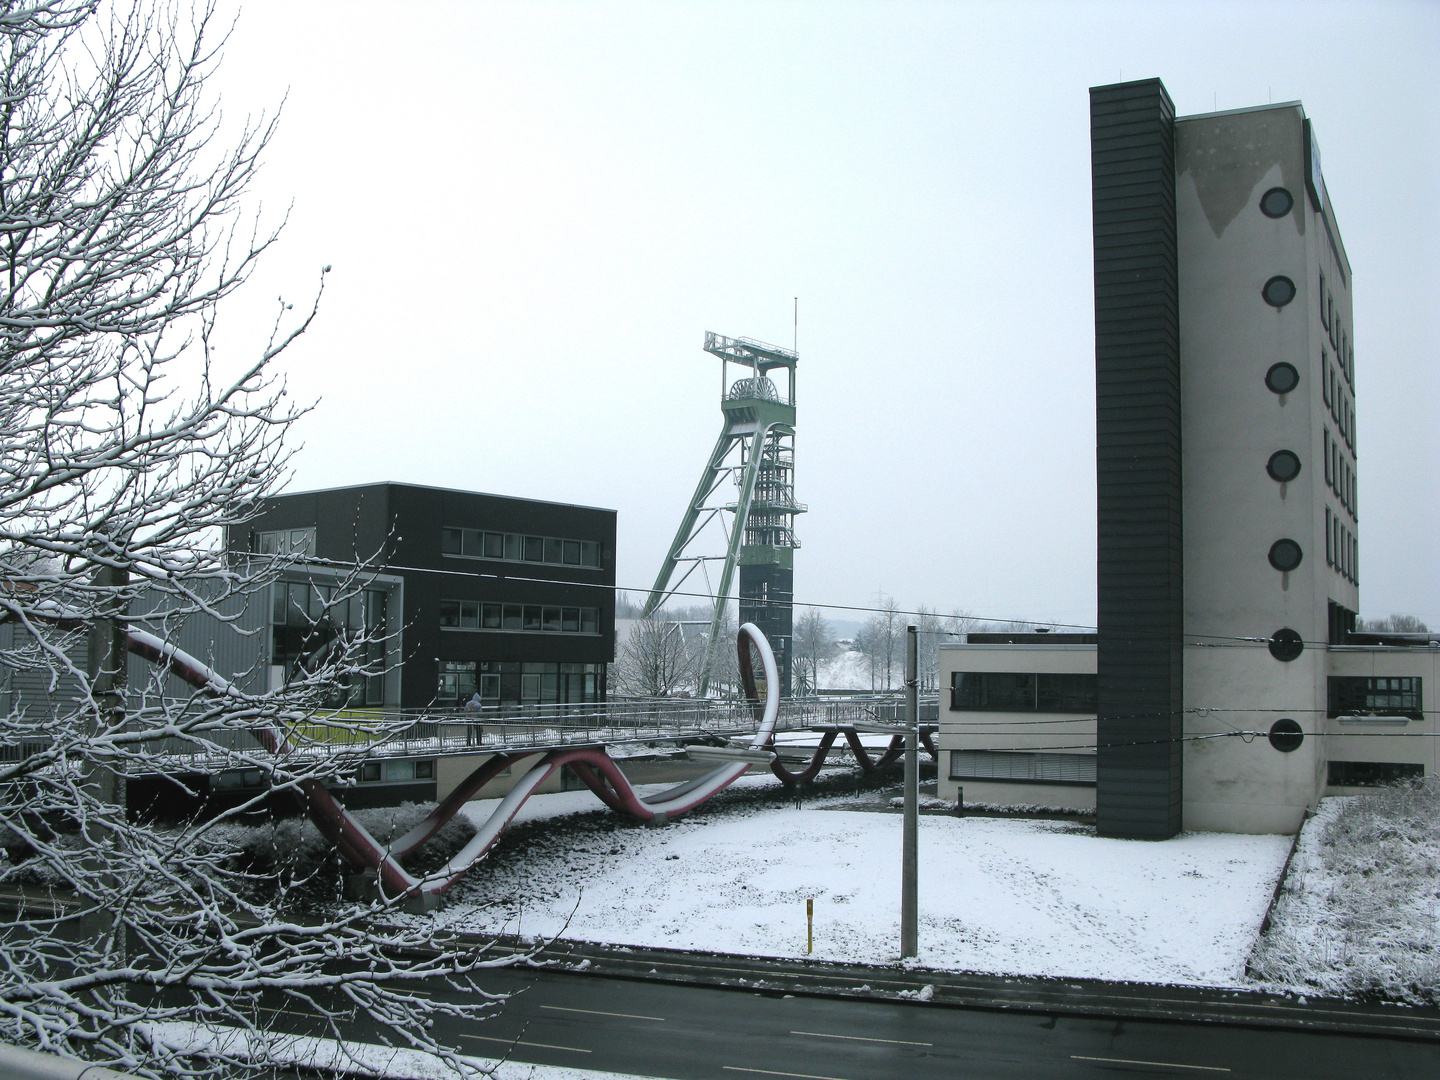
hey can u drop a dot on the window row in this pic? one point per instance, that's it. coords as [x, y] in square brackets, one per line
[396, 772]
[1342, 408]
[1339, 475]
[544, 619]
[1339, 338]
[286, 542]
[1004, 691]
[1342, 550]
[513, 683]
[1372, 773]
[1005, 765]
[514, 547]
[305, 603]
[1376, 695]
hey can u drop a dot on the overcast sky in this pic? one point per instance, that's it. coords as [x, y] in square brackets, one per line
[534, 212]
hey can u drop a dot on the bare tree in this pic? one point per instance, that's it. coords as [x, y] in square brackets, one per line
[127, 450]
[814, 644]
[1393, 624]
[655, 660]
[927, 646]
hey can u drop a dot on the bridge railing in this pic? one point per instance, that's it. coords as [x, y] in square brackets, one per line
[413, 732]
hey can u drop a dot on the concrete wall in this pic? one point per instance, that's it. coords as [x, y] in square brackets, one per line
[1395, 739]
[1232, 423]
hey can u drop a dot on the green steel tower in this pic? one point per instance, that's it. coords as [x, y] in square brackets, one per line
[756, 449]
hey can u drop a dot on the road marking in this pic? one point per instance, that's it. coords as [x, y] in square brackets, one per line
[597, 1012]
[522, 1042]
[861, 1038]
[1160, 1064]
[772, 1072]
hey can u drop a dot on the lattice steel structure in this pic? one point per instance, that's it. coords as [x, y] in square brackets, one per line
[756, 449]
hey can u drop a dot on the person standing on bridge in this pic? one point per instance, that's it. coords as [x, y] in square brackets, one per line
[473, 731]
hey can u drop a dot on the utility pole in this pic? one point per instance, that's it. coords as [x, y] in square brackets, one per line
[909, 936]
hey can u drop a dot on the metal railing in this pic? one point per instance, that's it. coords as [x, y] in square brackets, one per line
[448, 731]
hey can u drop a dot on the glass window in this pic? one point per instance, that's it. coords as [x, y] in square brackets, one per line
[470, 614]
[1372, 773]
[1276, 202]
[532, 616]
[572, 552]
[375, 610]
[589, 553]
[554, 550]
[449, 613]
[494, 545]
[534, 549]
[490, 687]
[450, 541]
[457, 680]
[589, 620]
[491, 617]
[551, 620]
[513, 616]
[472, 542]
[1067, 693]
[1282, 378]
[370, 772]
[1000, 691]
[1278, 291]
[1285, 555]
[570, 620]
[512, 547]
[424, 770]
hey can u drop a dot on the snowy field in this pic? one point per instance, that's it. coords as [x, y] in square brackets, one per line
[996, 895]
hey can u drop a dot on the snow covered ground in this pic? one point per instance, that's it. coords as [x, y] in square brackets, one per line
[996, 895]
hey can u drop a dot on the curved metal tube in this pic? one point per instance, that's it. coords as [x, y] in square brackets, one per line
[595, 768]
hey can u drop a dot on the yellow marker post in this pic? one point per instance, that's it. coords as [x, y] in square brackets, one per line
[809, 926]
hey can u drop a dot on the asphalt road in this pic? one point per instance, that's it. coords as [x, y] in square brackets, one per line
[706, 1033]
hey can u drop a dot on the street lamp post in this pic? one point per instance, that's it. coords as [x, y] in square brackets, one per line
[909, 946]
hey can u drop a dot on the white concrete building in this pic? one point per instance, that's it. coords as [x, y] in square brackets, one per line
[1228, 550]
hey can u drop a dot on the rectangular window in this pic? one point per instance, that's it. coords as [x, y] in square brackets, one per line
[550, 620]
[494, 545]
[990, 691]
[572, 552]
[1376, 695]
[491, 617]
[570, 620]
[449, 613]
[1008, 766]
[513, 547]
[1327, 374]
[457, 680]
[1324, 314]
[534, 549]
[424, 770]
[589, 553]
[450, 542]
[513, 616]
[490, 687]
[589, 620]
[532, 616]
[1373, 773]
[1329, 459]
[1329, 538]
[554, 551]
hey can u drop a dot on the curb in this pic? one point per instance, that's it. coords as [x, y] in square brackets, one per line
[972, 990]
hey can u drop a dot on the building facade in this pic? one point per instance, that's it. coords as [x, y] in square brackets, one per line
[1230, 689]
[510, 598]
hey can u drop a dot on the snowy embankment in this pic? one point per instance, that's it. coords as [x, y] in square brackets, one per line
[1004, 896]
[1360, 911]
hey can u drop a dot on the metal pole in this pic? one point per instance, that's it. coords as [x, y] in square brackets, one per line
[909, 945]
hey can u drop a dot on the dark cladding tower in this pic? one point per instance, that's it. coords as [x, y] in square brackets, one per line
[756, 449]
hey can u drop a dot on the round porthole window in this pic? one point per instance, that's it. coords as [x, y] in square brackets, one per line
[1278, 291]
[1276, 202]
[1285, 735]
[1283, 466]
[1282, 378]
[1285, 555]
[1286, 644]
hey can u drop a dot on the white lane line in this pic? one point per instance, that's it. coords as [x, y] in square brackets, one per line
[522, 1042]
[1158, 1064]
[861, 1038]
[772, 1072]
[597, 1012]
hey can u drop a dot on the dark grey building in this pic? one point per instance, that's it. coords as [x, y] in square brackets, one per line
[513, 598]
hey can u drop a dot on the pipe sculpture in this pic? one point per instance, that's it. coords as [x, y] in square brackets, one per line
[862, 756]
[595, 768]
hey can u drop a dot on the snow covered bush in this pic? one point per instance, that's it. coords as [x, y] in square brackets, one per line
[1359, 915]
